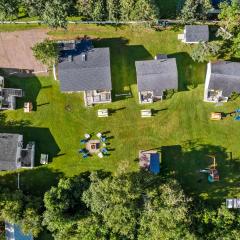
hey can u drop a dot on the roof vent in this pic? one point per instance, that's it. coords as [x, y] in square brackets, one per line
[70, 58]
[84, 57]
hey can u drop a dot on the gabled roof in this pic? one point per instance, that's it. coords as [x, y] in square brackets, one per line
[9, 150]
[77, 74]
[225, 76]
[157, 75]
[196, 33]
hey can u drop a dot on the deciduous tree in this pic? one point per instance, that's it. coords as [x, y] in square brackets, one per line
[46, 52]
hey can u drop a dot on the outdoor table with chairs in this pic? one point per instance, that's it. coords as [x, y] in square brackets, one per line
[94, 146]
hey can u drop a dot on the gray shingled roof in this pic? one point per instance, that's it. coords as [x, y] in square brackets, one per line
[197, 33]
[8, 150]
[157, 75]
[92, 74]
[225, 76]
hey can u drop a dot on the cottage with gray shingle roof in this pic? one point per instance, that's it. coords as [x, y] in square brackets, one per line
[222, 79]
[195, 34]
[154, 77]
[12, 153]
[82, 68]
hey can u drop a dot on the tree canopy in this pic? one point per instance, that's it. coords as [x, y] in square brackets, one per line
[46, 52]
[194, 10]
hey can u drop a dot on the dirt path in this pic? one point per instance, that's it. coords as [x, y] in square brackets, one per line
[15, 50]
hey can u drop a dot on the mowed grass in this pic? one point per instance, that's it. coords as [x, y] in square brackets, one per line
[180, 129]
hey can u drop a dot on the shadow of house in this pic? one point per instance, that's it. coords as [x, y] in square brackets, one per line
[123, 57]
[30, 86]
[185, 162]
[45, 142]
[190, 73]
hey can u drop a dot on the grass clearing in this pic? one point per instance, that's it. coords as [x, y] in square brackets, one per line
[181, 127]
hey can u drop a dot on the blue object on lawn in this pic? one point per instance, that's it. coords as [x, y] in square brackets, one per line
[81, 150]
[154, 163]
[85, 155]
[103, 139]
[104, 151]
[238, 110]
[83, 141]
[237, 118]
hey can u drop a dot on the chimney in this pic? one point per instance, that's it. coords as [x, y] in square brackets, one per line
[84, 57]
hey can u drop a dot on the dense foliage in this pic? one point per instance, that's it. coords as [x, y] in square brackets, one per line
[15, 207]
[46, 52]
[194, 10]
[125, 206]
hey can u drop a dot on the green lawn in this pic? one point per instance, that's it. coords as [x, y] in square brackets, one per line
[181, 128]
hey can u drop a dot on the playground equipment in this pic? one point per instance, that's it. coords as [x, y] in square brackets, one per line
[213, 174]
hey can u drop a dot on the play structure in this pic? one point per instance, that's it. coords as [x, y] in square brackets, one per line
[212, 172]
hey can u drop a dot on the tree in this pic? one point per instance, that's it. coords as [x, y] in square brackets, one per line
[146, 10]
[8, 9]
[194, 10]
[15, 207]
[127, 7]
[220, 223]
[85, 8]
[55, 13]
[46, 52]
[115, 199]
[113, 10]
[63, 206]
[205, 51]
[165, 214]
[34, 8]
[229, 16]
[99, 12]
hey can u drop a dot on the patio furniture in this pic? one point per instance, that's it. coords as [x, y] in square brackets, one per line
[104, 151]
[216, 116]
[102, 113]
[28, 107]
[44, 158]
[87, 136]
[146, 113]
[100, 155]
[93, 146]
[82, 151]
[103, 139]
[99, 135]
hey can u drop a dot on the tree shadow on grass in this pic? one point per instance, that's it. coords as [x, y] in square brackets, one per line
[123, 57]
[185, 161]
[32, 182]
[190, 73]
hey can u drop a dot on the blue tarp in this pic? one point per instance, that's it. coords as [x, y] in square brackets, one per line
[154, 163]
[13, 232]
